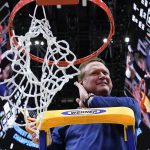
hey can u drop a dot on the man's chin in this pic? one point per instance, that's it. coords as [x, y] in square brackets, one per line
[104, 92]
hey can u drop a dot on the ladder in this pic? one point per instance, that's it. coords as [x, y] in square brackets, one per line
[115, 115]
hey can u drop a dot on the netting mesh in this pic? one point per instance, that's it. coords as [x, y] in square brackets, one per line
[27, 88]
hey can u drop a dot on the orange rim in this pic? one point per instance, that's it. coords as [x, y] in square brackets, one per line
[99, 3]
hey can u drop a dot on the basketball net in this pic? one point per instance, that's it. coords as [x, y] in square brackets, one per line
[53, 78]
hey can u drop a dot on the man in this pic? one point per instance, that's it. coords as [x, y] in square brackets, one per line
[94, 86]
[5, 74]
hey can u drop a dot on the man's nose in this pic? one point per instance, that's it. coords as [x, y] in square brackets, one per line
[101, 75]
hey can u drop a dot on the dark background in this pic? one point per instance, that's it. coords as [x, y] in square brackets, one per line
[84, 29]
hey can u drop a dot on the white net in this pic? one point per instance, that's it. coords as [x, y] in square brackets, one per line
[27, 88]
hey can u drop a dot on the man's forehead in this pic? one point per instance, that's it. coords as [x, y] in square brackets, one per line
[96, 64]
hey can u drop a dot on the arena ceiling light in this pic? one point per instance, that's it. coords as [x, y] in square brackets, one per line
[105, 40]
[127, 39]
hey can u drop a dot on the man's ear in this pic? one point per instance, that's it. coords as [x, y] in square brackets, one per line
[81, 82]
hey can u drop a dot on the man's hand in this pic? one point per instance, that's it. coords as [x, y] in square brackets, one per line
[83, 95]
[31, 128]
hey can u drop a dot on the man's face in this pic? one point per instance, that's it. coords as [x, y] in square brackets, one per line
[142, 64]
[96, 79]
[5, 73]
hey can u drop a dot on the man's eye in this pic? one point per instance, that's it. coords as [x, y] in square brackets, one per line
[105, 73]
[94, 73]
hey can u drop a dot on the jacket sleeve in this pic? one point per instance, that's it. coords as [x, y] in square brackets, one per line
[58, 134]
[100, 101]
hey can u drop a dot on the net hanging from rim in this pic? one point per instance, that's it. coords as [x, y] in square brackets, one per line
[53, 76]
